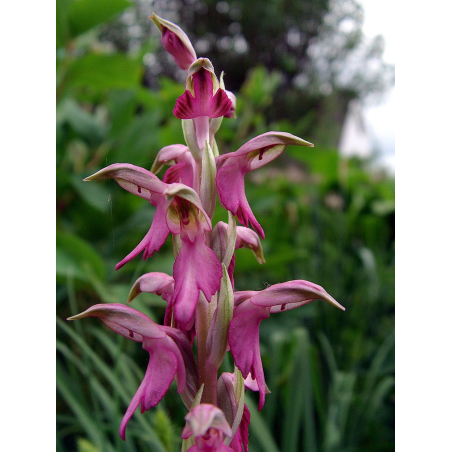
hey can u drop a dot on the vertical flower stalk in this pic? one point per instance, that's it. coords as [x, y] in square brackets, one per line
[202, 310]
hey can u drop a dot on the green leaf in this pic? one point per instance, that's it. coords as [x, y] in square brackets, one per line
[83, 445]
[62, 23]
[103, 72]
[96, 195]
[341, 398]
[86, 14]
[164, 428]
[139, 142]
[74, 257]
[83, 415]
[258, 428]
[84, 123]
[300, 402]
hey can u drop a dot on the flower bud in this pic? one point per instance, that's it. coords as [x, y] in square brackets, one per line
[175, 42]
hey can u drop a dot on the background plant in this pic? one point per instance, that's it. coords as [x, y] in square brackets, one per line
[337, 228]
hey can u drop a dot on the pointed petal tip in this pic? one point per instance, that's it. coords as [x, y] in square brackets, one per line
[75, 317]
[301, 142]
[156, 19]
[336, 304]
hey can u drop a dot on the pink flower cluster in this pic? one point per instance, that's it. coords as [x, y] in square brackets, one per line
[200, 296]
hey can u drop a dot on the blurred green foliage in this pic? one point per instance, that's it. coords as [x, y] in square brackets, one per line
[327, 220]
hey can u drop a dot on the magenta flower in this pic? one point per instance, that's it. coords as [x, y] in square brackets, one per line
[232, 167]
[208, 425]
[175, 42]
[196, 269]
[183, 164]
[203, 95]
[142, 183]
[251, 307]
[168, 351]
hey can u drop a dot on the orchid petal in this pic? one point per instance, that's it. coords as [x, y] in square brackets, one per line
[155, 282]
[191, 370]
[196, 269]
[251, 307]
[159, 374]
[124, 320]
[163, 344]
[168, 155]
[183, 164]
[157, 234]
[291, 295]
[231, 192]
[134, 179]
[203, 96]
[179, 173]
[244, 343]
[239, 442]
[232, 98]
[174, 215]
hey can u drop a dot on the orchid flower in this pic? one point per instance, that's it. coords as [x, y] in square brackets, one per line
[203, 99]
[207, 424]
[232, 167]
[142, 183]
[251, 307]
[168, 350]
[203, 95]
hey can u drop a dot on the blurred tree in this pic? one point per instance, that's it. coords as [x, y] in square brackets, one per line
[315, 46]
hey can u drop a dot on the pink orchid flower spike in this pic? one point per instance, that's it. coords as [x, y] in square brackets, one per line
[166, 347]
[251, 307]
[232, 167]
[208, 426]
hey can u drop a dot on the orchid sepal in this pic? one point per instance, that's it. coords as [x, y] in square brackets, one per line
[182, 164]
[134, 179]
